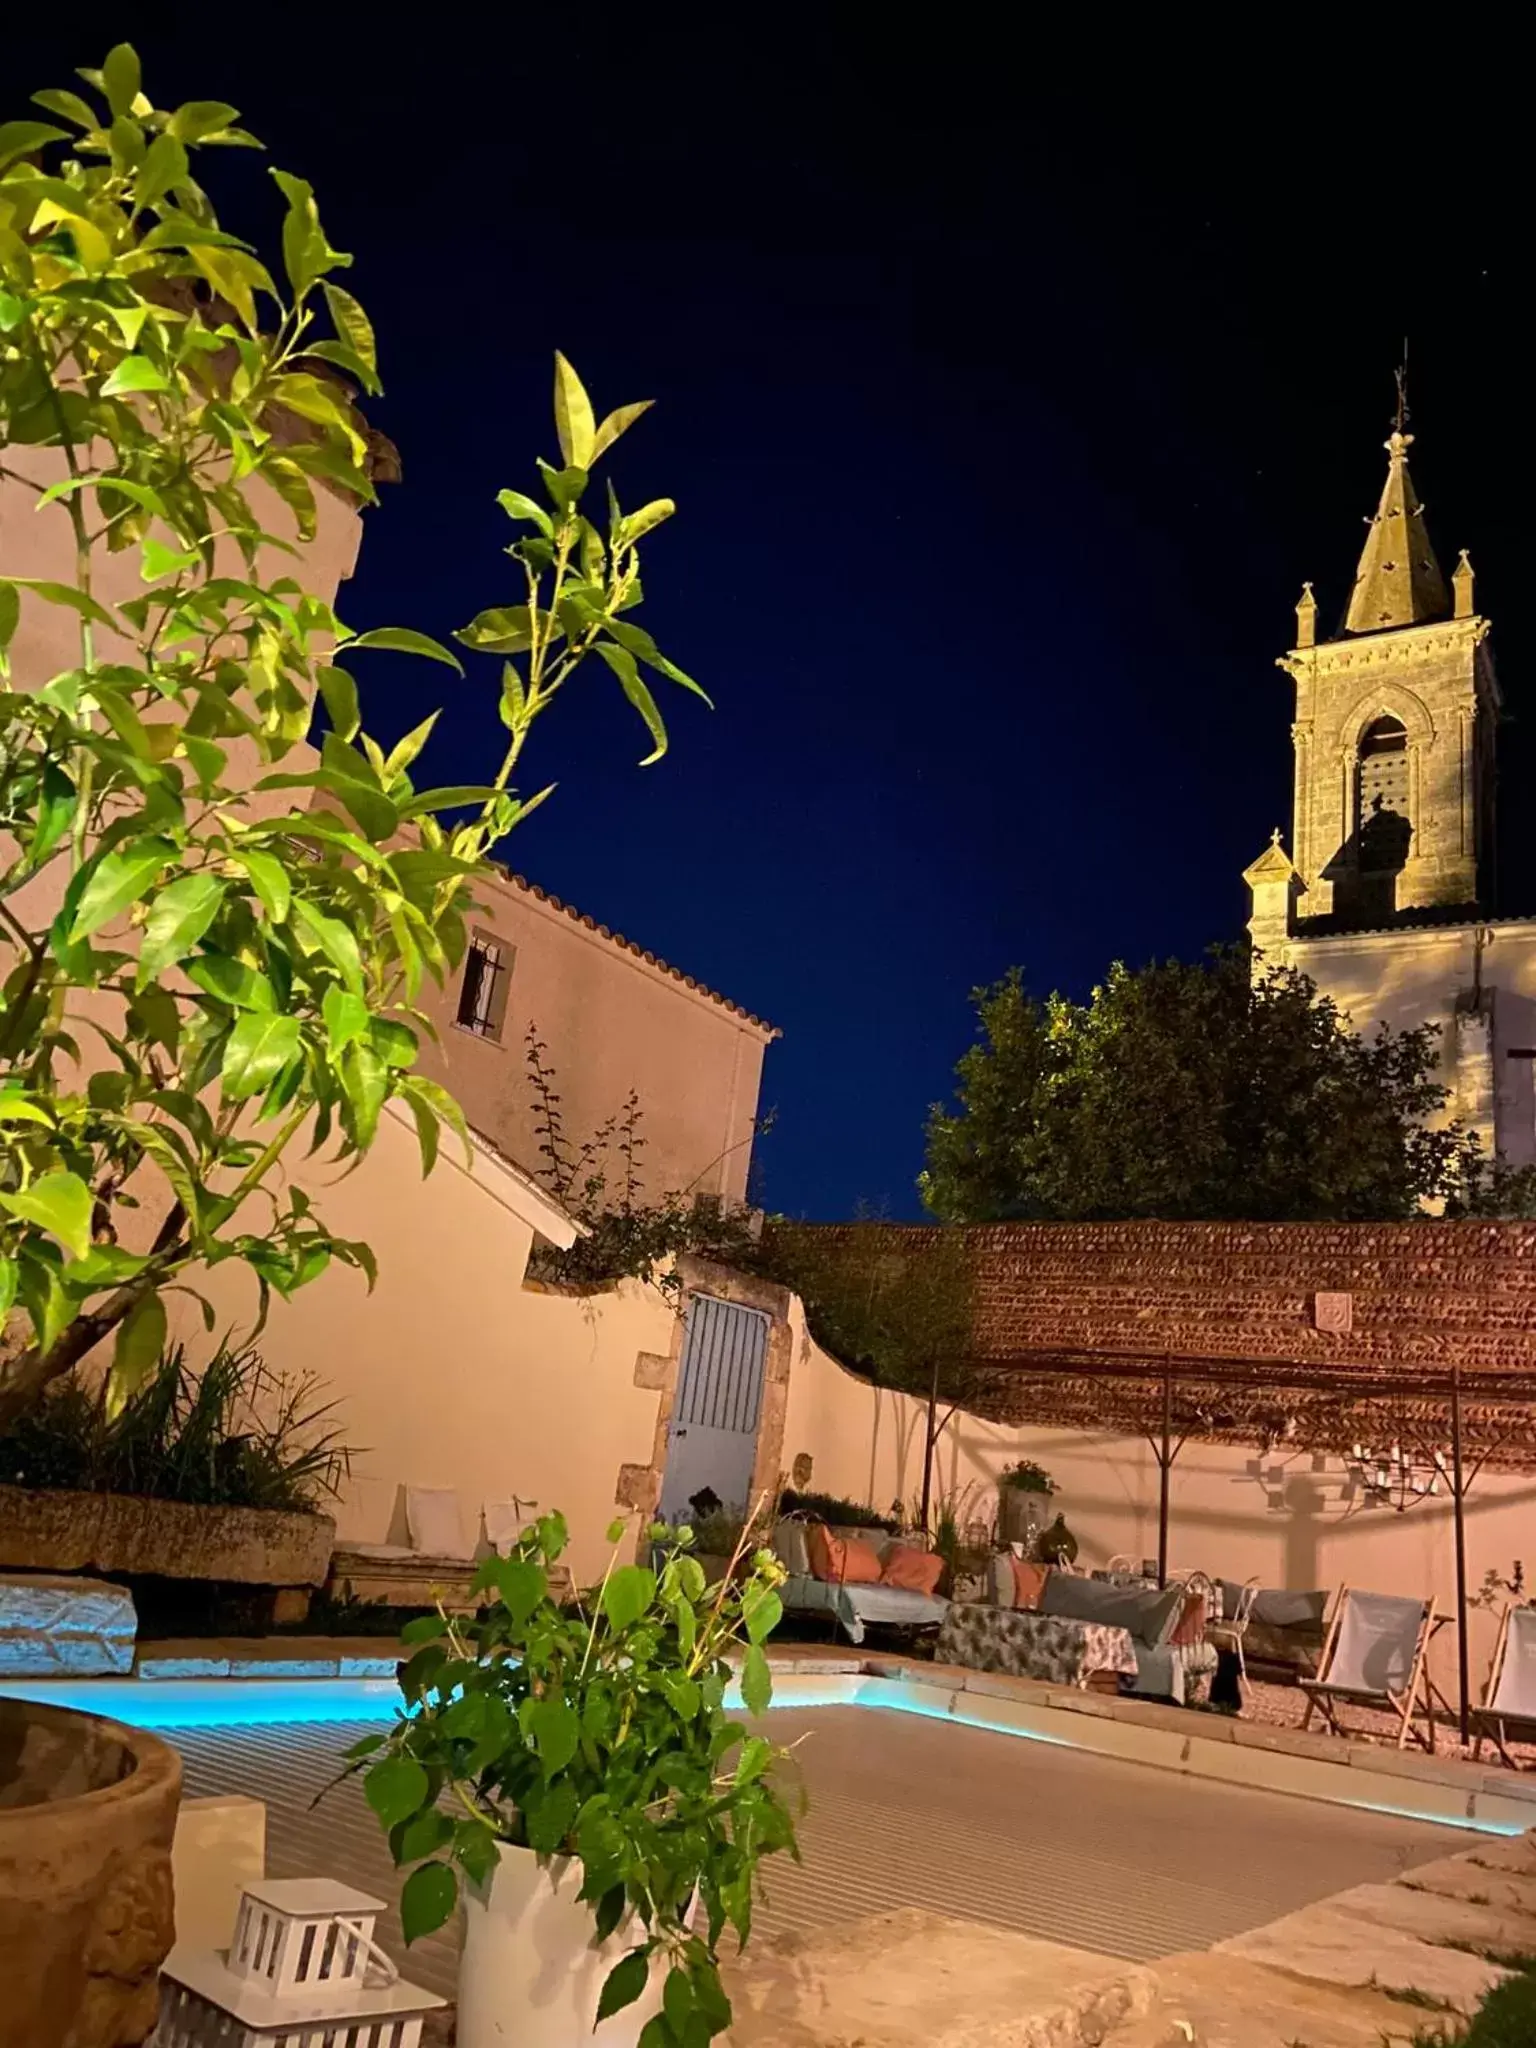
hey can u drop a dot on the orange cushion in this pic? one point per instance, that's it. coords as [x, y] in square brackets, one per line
[842, 1561]
[1028, 1583]
[915, 1571]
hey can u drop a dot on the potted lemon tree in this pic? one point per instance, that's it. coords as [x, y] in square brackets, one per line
[573, 1773]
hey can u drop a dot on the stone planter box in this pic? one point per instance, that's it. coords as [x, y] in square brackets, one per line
[47, 1531]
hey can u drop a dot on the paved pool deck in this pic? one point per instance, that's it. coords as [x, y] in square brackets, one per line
[967, 1822]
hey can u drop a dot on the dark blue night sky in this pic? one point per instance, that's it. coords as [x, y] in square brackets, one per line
[1007, 397]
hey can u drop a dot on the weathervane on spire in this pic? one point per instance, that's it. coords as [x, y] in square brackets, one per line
[1399, 441]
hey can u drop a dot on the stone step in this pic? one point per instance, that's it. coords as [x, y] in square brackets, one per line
[910, 1979]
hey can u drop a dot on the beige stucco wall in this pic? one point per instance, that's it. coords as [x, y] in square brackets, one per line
[612, 1021]
[452, 1373]
[868, 1444]
[1407, 978]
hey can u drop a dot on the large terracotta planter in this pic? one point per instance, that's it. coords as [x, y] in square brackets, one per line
[87, 1813]
[531, 1970]
[56, 1531]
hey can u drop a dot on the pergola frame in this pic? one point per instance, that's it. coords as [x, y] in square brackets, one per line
[1510, 1395]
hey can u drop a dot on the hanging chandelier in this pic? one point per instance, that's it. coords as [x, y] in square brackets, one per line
[1396, 1478]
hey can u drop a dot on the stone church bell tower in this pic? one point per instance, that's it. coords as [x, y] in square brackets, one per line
[1394, 730]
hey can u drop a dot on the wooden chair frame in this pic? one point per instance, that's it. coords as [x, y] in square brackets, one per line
[1419, 1693]
[1491, 1725]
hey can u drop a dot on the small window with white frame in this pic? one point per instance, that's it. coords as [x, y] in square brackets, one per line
[483, 990]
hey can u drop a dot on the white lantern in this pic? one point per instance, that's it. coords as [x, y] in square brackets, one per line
[302, 1970]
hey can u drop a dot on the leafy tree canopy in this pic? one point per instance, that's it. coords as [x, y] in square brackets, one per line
[214, 940]
[1194, 1092]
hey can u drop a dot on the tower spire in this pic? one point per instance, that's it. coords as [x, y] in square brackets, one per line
[1398, 582]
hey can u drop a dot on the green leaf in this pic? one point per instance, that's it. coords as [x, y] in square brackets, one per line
[120, 78]
[475, 1846]
[55, 812]
[66, 594]
[404, 753]
[165, 165]
[17, 1108]
[353, 325]
[135, 373]
[269, 879]
[756, 1755]
[427, 1899]
[69, 107]
[231, 981]
[10, 1273]
[762, 1610]
[624, 1983]
[161, 561]
[622, 662]
[422, 1835]
[516, 506]
[426, 1133]
[177, 920]
[520, 1586]
[118, 879]
[10, 616]
[334, 939]
[346, 1017]
[503, 629]
[197, 118]
[628, 1594]
[396, 1788]
[555, 1729]
[23, 138]
[424, 1629]
[638, 524]
[59, 1203]
[340, 694]
[260, 1046]
[405, 640]
[365, 1078]
[640, 643]
[618, 422]
[573, 416]
[756, 1680]
[140, 1341]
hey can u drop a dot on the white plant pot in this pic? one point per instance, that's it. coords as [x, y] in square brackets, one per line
[531, 1971]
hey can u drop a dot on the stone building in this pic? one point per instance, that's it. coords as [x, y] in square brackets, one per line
[1388, 896]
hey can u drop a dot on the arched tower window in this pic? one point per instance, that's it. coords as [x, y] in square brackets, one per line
[1381, 796]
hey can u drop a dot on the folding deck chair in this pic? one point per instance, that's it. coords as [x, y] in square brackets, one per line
[1510, 1699]
[1376, 1655]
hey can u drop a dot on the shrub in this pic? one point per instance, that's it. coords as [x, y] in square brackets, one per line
[1027, 1477]
[235, 1435]
[831, 1507]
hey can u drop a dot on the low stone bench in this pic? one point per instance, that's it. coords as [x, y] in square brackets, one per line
[402, 1577]
[53, 1626]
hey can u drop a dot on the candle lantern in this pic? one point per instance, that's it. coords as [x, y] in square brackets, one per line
[303, 1968]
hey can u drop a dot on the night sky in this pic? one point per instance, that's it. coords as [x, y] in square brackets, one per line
[1008, 394]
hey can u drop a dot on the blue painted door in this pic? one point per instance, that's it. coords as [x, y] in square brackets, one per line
[712, 1437]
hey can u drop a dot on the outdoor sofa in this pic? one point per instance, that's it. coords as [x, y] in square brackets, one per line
[1077, 1630]
[852, 1604]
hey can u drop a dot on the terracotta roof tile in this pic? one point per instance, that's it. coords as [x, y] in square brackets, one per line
[628, 946]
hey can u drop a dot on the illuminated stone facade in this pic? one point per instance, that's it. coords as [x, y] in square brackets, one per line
[1386, 895]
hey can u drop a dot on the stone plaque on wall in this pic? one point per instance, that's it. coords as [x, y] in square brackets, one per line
[1334, 1313]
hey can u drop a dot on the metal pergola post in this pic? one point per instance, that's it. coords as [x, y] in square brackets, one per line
[1458, 1504]
[1165, 1471]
